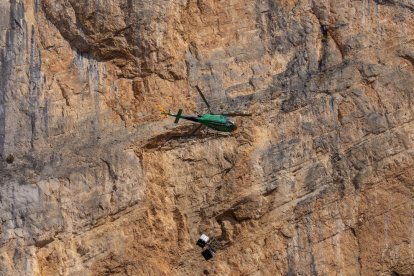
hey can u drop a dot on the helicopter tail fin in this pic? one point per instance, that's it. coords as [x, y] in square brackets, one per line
[177, 117]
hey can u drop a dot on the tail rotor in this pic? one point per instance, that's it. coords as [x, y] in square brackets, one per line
[163, 111]
[168, 113]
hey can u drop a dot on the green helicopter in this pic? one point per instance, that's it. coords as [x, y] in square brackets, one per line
[219, 122]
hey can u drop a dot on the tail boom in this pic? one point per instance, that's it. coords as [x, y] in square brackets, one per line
[177, 116]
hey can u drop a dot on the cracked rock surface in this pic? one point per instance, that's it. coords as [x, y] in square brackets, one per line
[93, 181]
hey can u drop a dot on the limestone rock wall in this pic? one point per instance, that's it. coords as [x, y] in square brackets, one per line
[93, 181]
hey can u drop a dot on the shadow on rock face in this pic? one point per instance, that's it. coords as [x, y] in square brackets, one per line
[181, 136]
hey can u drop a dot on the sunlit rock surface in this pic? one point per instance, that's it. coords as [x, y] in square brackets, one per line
[95, 182]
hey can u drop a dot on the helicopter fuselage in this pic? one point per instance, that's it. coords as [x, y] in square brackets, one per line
[216, 122]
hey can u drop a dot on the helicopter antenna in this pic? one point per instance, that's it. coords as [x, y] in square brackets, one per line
[204, 98]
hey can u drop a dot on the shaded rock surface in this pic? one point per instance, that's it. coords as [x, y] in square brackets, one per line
[320, 181]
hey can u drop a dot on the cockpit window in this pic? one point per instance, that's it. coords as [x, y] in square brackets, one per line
[230, 121]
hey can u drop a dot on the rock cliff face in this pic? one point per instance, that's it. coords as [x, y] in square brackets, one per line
[320, 181]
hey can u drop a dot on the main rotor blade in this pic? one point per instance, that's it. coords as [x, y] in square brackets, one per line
[236, 114]
[204, 98]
